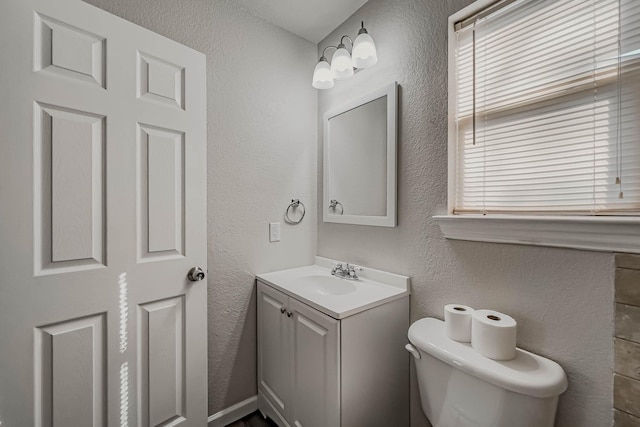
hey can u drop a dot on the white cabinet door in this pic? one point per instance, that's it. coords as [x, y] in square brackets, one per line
[274, 324]
[103, 212]
[315, 368]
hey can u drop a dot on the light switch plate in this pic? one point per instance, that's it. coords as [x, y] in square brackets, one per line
[274, 231]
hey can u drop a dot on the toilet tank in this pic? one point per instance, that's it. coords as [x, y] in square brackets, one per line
[461, 388]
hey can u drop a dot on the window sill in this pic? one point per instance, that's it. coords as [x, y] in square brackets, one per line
[609, 234]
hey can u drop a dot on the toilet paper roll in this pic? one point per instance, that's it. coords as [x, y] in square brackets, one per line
[493, 334]
[457, 322]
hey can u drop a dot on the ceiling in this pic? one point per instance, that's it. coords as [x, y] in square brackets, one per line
[310, 19]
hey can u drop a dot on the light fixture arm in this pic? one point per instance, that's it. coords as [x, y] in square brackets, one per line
[322, 57]
[363, 30]
[342, 44]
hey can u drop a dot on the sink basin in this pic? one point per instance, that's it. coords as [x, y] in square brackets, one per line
[329, 285]
[339, 298]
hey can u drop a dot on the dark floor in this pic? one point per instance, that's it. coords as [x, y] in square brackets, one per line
[253, 420]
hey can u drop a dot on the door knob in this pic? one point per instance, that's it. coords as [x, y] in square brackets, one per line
[195, 274]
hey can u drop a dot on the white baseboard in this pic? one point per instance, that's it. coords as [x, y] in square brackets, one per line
[233, 413]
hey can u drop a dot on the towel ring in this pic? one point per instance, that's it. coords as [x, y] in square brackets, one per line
[294, 204]
[334, 204]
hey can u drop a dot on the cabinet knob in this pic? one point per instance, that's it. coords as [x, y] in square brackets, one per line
[282, 310]
[289, 314]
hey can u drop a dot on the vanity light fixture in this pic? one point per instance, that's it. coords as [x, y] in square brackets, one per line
[363, 55]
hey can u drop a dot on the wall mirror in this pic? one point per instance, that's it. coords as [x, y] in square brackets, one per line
[359, 160]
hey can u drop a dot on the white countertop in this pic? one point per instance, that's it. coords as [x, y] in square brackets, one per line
[336, 297]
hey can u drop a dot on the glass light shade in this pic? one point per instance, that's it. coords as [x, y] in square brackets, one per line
[322, 76]
[341, 66]
[364, 52]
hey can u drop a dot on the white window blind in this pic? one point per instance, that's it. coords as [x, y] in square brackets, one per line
[548, 109]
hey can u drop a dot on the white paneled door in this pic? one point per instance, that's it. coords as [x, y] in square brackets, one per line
[102, 216]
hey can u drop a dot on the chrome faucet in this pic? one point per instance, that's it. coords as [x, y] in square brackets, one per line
[345, 272]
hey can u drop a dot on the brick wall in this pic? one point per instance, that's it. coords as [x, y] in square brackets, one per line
[626, 388]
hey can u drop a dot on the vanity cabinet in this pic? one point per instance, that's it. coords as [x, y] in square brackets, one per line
[318, 371]
[297, 360]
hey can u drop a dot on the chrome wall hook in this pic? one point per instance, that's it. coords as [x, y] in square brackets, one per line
[333, 204]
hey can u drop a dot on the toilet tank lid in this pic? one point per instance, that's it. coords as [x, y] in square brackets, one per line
[527, 374]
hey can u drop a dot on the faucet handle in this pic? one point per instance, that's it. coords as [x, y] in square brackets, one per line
[338, 265]
[352, 267]
[351, 271]
[337, 268]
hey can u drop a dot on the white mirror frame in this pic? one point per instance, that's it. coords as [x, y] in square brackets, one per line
[390, 220]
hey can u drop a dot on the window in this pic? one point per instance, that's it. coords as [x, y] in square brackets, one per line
[546, 109]
[544, 124]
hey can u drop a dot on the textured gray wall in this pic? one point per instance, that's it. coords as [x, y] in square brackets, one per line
[261, 153]
[562, 299]
[261, 133]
